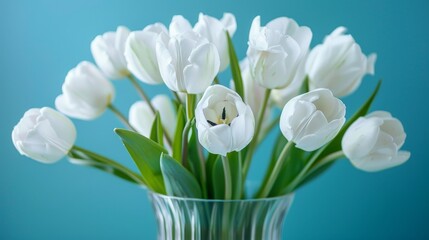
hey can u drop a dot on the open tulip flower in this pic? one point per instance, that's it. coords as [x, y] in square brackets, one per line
[224, 122]
[183, 143]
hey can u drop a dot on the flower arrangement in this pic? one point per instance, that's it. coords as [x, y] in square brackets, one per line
[199, 142]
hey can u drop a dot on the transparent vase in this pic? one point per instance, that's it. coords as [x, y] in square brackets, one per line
[211, 219]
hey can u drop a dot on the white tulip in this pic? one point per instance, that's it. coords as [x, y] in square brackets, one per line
[281, 96]
[141, 116]
[338, 64]
[373, 143]
[276, 50]
[224, 122]
[44, 135]
[86, 92]
[108, 52]
[187, 62]
[215, 31]
[140, 53]
[312, 119]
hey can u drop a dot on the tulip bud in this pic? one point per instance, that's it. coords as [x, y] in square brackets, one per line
[141, 116]
[224, 122]
[44, 135]
[312, 119]
[276, 50]
[187, 62]
[338, 64]
[215, 31]
[373, 143]
[140, 53]
[86, 92]
[108, 52]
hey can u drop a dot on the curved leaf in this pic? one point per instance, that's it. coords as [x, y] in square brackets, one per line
[146, 154]
[178, 180]
[235, 68]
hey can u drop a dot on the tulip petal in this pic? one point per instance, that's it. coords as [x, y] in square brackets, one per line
[204, 65]
[229, 23]
[179, 25]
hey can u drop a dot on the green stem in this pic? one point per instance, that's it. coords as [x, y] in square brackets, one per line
[327, 159]
[227, 173]
[141, 92]
[120, 116]
[96, 157]
[176, 96]
[190, 105]
[276, 170]
[203, 169]
[185, 144]
[254, 141]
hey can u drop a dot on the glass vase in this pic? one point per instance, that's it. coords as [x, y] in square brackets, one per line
[210, 219]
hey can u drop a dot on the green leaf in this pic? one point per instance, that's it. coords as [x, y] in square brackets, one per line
[236, 175]
[211, 159]
[293, 164]
[157, 132]
[177, 141]
[178, 181]
[146, 154]
[196, 163]
[218, 179]
[335, 144]
[82, 159]
[235, 68]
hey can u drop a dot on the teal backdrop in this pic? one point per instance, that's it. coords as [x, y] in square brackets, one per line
[41, 40]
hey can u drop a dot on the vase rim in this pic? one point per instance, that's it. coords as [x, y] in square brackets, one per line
[286, 196]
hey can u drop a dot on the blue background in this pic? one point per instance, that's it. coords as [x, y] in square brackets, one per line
[41, 40]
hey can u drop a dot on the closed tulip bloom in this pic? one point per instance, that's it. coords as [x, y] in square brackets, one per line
[86, 92]
[108, 52]
[215, 31]
[276, 51]
[141, 116]
[373, 143]
[187, 62]
[338, 64]
[140, 53]
[44, 135]
[312, 119]
[224, 122]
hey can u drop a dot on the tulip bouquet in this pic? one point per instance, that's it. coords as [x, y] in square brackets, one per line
[199, 141]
